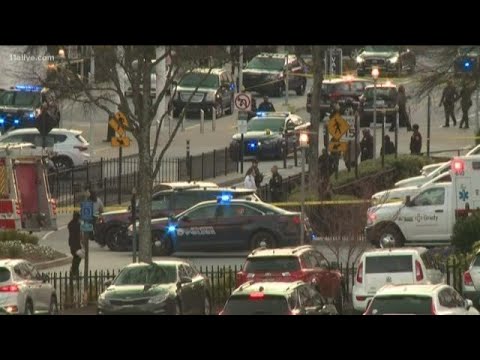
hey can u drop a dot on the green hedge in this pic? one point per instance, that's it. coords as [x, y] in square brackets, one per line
[466, 232]
[12, 235]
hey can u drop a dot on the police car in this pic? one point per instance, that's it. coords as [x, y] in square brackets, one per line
[266, 135]
[227, 224]
[21, 105]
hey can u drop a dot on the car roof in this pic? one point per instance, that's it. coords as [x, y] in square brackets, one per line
[268, 288]
[273, 114]
[232, 201]
[160, 261]
[286, 251]
[35, 131]
[382, 85]
[11, 262]
[216, 71]
[396, 251]
[408, 289]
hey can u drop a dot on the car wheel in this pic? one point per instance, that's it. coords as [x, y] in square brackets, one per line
[262, 239]
[390, 237]
[162, 245]
[63, 163]
[53, 310]
[232, 106]
[113, 238]
[218, 110]
[207, 306]
[29, 308]
[301, 89]
[178, 308]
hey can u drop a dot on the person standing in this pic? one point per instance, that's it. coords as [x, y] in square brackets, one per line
[402, 110]
[97, 211]
[257, 175]
[389, 146]
[416, 141]
[449, 96]
[266, 105]
[276, 185]
[74, 243]
[249, 182]
[366, 145]
[466, 103]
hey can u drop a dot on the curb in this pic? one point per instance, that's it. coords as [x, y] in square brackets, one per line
[53, 263]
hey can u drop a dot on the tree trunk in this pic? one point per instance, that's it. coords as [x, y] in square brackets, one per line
[315, 117]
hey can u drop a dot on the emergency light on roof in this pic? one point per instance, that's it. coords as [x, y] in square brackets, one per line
[28, 88]
[171, 228]
[31, 115]
[2, 121]
[224, 198]
[458, 166]
[16, 121]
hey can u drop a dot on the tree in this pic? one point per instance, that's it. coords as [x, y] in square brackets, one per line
[116, 67]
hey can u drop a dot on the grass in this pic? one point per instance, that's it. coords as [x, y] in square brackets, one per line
[34, 253]
[13, 235]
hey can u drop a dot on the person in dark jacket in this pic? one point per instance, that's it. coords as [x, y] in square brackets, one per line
[74, 242]
[266, 105]
[258, 176]
[416, 141]
[389, 146]
[465, 103]
[276, 185]
[402, 110]
[449, 96]
[366, 145]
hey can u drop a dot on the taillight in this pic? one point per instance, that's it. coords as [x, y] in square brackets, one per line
[433, 309]
[81, 147]
[360, 273]
[257, 295]
[467, 279]
[361, 298]
[296, 220]
[9, 288]
[418, 271]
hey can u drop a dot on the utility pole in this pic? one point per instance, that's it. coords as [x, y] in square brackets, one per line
[240, 70]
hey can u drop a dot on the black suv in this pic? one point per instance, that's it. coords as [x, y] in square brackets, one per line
[391, 60]
[265, 73]
[216, 92]
[344, 92]
[168, 199]
[277, 298]
[386, 102]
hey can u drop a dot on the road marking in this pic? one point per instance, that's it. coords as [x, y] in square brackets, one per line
[51, 232]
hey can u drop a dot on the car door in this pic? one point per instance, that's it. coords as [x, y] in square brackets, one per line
[195, 229]
[225, 90]
[426, 216]
[187, 293]
[44, 289]
[198, 285]
[32, 285]
[326, 281]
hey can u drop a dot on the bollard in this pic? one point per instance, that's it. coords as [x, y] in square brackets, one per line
[202, 121]
[295, 157]
[214, 118]
[285, 150]
[182, 119]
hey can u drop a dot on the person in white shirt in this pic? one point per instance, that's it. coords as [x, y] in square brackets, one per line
[249, 182]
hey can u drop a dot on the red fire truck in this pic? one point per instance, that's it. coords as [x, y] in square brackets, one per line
[25, 200]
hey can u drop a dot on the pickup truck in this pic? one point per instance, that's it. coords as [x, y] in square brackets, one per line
[427, 169]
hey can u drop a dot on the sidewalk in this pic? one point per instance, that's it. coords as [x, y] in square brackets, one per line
[88, 310]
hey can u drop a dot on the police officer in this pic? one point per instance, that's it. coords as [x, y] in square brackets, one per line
[466, 103]
[402, 110]
[366, 145]
[449, 96]
[389, 146]
[74, 243]
[266, 105]
[257, 175]
[276, 185]
[416, 141]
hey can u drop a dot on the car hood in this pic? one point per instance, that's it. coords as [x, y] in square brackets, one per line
[379, 54]
[257, 135]
[261, 71]
[399, 193]
[191, 89]
[416, 180]
[16, 108]
[386, 211]
[132, 292]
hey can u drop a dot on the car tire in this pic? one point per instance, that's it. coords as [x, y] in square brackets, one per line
[262, 237]
[301, 89]
[53, 309]
[391, 235]
[28, 308]
[165, 248]
[207, 305]
[112, 238]
[63, 163]
[219, 111]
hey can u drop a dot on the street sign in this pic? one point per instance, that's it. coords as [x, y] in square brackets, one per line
[86, 210]
[338, 146]
[243, 102]
[86, 227]
[119, 123]
[242, 126]
[123, 141]
[337, 126]
[121, 119]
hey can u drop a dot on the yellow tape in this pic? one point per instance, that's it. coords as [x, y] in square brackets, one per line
[77, 208]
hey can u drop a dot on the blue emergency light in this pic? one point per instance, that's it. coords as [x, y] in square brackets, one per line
[2, 121]
[16, 121]
[252, 145]
[31, 115]
[28, 88]
[225, 198]
[261, 114]
[171, 228]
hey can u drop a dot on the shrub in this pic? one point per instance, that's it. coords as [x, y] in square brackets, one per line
[15, 250]
[477, 137]
[24, 238]
[466, 232]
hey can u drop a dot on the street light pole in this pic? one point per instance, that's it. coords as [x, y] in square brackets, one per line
[375, 74]
[240, 70]
[303, 140]
[477, 124]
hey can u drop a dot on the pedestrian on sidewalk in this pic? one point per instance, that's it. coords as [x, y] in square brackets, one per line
[74, 243]
[275, 185]
[97, 211]
[416, 141]
[366, 145]
[257, 175]
[402, 110]
[449, 96]
[389, 146]
[466, 103]
[249, 182]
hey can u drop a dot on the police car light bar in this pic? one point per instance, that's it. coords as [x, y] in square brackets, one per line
[2, 121]
[31, 115]
[263, 114]
[224, 198]
[28, 88]
[16, 121]
[171, 228]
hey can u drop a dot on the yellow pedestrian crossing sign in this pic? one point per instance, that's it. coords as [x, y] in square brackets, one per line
[337, 126]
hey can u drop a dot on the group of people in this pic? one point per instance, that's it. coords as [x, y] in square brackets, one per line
[254, 178]
[450, 96]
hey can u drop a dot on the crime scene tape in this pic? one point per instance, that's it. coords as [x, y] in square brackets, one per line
[77, 208]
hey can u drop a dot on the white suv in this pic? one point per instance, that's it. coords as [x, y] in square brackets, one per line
[69, 145]
[391, 266]
[24, 291]
[471, 281]
[437, 299]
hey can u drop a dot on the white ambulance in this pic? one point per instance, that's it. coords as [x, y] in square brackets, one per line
[25, 200]
[427, 218]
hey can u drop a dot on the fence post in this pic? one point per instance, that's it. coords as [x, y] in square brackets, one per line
[226, 163]
[203, 158]
[101, 168]
[285, 151]
[295, 157]
[214, 163]
[88, 172]
[105, 191]
[214, 118]
[202, 121]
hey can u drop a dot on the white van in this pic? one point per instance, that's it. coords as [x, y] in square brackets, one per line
[391, 266]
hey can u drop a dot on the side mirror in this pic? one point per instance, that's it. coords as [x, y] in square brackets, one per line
[108, 283]
[408, 201]
[468, 304]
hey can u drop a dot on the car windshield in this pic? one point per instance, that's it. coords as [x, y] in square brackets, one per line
[380, 48]
[4, 274]
[266, 63]
[267, 305]
[202, 80]
[401, 304]
[272, 264]
[147, 274]
[383, 93]
[388, 264]
[19, 99]
[262, 124]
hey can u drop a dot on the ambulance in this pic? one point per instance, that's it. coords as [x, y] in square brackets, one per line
[25, 200]
[427, 219]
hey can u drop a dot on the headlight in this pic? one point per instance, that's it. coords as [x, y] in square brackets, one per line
[211, 96]
[393, 60]
[360, 60]
[102, 300]
[158, 299]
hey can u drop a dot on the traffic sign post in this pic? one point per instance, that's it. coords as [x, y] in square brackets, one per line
[86, 211]
[243, 102]
[337, 127]
[338, 146]
[86, 215]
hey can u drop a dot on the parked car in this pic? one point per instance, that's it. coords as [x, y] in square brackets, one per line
[471, 281]
[391, 266]
[426, 299]
[216, 92]
[390, 60]
[266, 74]
[467, 60]
[172, 200]
[24, 291]
[69, 146]
[345, 92]
[227, 224]
[164, 287]
[386, 96]
[289, 264]
[277, 298]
